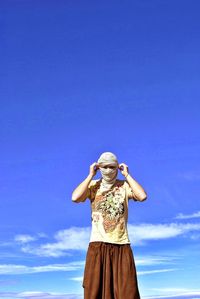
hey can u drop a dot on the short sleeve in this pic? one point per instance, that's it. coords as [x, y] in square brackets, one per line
[129, 191]
[92, 188]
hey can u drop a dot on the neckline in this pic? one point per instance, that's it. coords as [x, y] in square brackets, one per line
[106, 191]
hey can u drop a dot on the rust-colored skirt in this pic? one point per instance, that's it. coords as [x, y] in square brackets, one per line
[110, 272]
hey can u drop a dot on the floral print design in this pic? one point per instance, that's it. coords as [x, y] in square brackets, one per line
[112, 208]
[111, 205]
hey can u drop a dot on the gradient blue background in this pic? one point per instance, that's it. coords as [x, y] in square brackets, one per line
[79, 78]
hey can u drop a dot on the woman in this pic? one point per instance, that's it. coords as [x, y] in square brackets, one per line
[110, 271]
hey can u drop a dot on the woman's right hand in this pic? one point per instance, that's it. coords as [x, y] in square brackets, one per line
[93, 168]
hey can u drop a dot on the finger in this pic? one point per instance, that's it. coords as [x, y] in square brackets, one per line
[122, 164]
[125, 165]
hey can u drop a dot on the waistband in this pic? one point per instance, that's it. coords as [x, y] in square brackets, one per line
[101, 243]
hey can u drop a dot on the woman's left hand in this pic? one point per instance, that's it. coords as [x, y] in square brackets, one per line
[124, 169]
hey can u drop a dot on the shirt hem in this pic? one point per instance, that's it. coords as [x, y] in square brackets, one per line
[110, 241]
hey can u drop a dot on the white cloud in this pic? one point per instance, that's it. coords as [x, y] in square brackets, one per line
[48, 295]
[77, 238]
[173, 292]
[152, 260]
[25, 238]
[195, 236]
[164, 293]
[23, 269]
[6, 244]
[146, 272]
[77, 278]
[14, 269]
[155, 271]
[39, 295]
[188, 216]
[147, 232]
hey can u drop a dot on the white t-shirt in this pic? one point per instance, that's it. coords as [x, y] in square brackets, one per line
[110, 212]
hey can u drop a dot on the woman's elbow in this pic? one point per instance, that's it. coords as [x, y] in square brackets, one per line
[143, 197]
[77, 199]
[74, 197]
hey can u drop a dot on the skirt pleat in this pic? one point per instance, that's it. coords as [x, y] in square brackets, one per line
[110, 272]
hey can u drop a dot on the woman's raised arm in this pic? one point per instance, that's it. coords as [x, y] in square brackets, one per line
[80, 193]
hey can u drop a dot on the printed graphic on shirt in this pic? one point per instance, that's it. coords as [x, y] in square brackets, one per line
[111, 205]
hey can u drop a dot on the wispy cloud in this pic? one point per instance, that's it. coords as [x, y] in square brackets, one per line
[171, 293]
[188, 216]
[6, 282]
[152, 260]
[23, 269]
[147, 232]
[146, 272]
[190, 175]
[77, 238]
[14, 269]
[74, 238]
[174, 293]
[25, 238]
[39, 295]
[195, 236]
[77, 278]
[155, 271]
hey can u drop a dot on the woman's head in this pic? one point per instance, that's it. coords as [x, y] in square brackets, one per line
[108, 158]
[108, 166]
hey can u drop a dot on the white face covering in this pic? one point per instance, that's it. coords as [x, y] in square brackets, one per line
[109, 175]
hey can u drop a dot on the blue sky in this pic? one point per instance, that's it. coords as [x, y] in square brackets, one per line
[79, 78]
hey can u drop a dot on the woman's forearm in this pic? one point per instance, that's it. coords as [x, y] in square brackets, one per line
[80, 192]
[138, 191]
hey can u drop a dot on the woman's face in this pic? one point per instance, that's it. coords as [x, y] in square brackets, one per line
[108, 172]
[108, 167]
